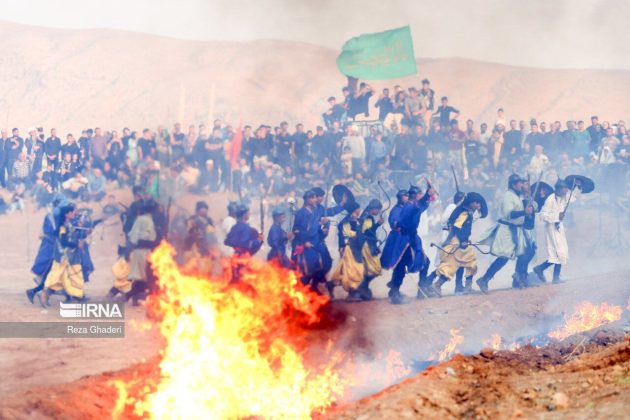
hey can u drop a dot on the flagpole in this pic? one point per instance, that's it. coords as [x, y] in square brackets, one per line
[211, 96]
[182, 104]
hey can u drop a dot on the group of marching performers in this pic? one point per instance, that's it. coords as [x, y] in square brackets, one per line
[513, 237]
[63, 263]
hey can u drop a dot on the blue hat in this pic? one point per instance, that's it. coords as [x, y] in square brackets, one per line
[278, 211]
[318, 192]
[514, 179]
[309, 194]
[59, 200]
[352, 207]
[201, 205]
[413, 190]
[240, 211]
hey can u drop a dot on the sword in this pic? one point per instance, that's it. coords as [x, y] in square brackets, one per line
[476, 246]
[533, 196]
[455, 178]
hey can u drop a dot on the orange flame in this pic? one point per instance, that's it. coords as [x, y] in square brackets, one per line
[396, 368]
[586, 317]
[494, 342]
[367, 376]
[122, 400]
[236, 350]
[451, 347]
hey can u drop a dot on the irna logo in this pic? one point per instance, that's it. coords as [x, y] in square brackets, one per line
[107, 310]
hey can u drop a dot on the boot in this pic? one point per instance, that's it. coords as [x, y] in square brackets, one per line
[437, 287]
[397, 298]
[468, 286]
[30, 294]
[524, 280]
[540, 272]
[112, 294]
[364, 289]
[516, 281]
[330, 287]
[422, 293]
[353, 296]
[43, 298]
[556, 274]
[482, 282]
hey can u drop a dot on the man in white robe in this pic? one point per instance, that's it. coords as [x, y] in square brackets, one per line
[552, 214]
[507, 238]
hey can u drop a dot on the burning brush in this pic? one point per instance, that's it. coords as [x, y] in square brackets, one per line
[241, 350]
[234, 350]
[587, 316]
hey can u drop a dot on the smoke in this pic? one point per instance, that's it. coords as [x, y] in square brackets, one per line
[536, 33]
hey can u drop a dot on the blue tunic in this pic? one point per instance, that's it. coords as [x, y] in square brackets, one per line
[324, 230]
[390, 250]
[243, 238]
[87, 266]
[306, 228]
[44, 259]
[277, 240]
[404, 236]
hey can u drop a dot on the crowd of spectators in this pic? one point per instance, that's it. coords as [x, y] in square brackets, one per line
[398, 138]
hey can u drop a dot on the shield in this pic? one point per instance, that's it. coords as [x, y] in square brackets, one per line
[339, 191]
[586, 185]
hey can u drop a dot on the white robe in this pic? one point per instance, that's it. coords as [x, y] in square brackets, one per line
[555, 235]
[143, 229]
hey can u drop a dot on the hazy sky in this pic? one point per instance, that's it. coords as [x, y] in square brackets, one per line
[538, 33]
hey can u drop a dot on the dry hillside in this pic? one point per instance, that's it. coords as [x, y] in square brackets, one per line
[77, 78]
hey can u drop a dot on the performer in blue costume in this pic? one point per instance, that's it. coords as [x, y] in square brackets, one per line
[44, 259]
[244, 239]
[309, 252]
[404, 253]
[322, 214]
[278, 238]
[393, 219]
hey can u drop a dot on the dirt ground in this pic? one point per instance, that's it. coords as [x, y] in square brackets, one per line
[586, 378]
[39, 366]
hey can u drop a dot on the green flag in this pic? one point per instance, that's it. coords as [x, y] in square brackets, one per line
[378, 56]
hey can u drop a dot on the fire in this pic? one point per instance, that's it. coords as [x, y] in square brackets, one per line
[396, 368]
[451, 347]
[586, 317]
[119, 408]
[366, 375]
[236, 350]
[494, 342]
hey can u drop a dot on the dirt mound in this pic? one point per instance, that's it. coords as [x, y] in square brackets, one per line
[583, 376]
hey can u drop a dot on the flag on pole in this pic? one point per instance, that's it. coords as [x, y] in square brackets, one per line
[379, 56]
[235, 146]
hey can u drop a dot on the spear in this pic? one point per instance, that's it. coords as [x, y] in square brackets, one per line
[262, 215]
